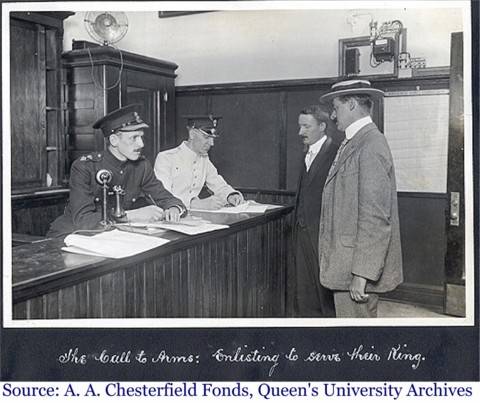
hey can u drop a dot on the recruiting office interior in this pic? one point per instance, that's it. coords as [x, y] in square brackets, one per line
[256, 69]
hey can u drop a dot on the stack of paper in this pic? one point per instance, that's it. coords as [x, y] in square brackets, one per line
[249, 206]
[114, 244]
[189, 229]
[189, 225]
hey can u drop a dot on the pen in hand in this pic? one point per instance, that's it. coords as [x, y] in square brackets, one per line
[152, 200]
[149, 196]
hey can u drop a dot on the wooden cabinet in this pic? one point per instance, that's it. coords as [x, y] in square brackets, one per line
[101, 79]
[36, 99]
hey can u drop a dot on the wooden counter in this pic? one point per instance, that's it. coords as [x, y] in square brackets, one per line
[235, 272]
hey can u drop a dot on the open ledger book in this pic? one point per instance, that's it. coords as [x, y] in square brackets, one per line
[113, 244]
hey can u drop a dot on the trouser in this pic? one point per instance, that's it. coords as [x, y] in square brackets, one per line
[311, 298]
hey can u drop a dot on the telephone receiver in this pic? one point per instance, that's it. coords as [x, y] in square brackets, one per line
[118, 212]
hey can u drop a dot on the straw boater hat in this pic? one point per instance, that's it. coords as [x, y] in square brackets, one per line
[352, 87]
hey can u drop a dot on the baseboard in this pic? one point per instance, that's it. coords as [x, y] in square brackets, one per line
[424, 295]
[455, 299]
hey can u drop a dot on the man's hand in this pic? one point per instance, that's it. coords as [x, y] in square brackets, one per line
[172, 214]
[235, 199]
[357, 289]
[209, 203]
[146, 214]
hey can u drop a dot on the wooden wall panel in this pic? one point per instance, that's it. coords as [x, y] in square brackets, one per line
[28, 137]
[250, 138]
[33, 215]
[197, 104]
[423, 237]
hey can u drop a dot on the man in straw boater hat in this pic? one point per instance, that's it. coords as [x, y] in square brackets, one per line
[359, 237]
[144, 197]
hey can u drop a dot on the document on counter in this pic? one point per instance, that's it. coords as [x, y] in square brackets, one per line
[249, 206]
[113, 244]
[189, 225]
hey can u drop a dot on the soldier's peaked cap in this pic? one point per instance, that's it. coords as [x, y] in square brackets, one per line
[206, 123]
[124, 119]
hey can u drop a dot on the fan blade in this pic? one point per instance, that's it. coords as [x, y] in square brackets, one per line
[106, 26]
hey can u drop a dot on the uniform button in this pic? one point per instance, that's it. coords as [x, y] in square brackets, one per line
[121, 172]
[134, 200]
[97, 199]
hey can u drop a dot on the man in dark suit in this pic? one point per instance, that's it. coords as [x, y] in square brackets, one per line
[311, 298]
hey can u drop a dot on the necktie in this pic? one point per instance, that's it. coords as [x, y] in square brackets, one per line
[308, 159]
[337, 156]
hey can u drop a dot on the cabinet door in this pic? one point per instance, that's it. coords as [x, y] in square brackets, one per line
[27, 88]
[156, 96]
[36, 107]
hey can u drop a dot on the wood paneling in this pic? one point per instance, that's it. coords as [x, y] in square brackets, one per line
[195, 104]
[28, 134]
[423, 236]
[240, 154]
[36, 107]
[32, 214]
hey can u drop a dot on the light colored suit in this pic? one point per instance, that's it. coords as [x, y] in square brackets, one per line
[184, 173]
[359, 228]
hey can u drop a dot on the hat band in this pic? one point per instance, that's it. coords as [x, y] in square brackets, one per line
[356, 86]
[135, 121]
[209, 132]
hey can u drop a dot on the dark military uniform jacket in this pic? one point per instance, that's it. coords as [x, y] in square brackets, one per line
[84, 209]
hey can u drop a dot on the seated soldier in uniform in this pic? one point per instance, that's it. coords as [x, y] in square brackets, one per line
[144, 197]
[184, 170]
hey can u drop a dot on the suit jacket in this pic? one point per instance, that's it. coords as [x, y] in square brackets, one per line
[308, 201]
[359, 228]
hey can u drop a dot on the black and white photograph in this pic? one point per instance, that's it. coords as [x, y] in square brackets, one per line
[231, 179]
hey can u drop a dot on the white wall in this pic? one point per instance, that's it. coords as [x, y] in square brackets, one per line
[236, 46]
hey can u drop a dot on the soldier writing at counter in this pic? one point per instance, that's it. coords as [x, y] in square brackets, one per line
[143, 196]
[185, 169]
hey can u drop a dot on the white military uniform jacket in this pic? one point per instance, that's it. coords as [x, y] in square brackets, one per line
[183, 172]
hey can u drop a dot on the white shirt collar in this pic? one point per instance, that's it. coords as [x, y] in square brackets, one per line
[354, 128]
[315, 147]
